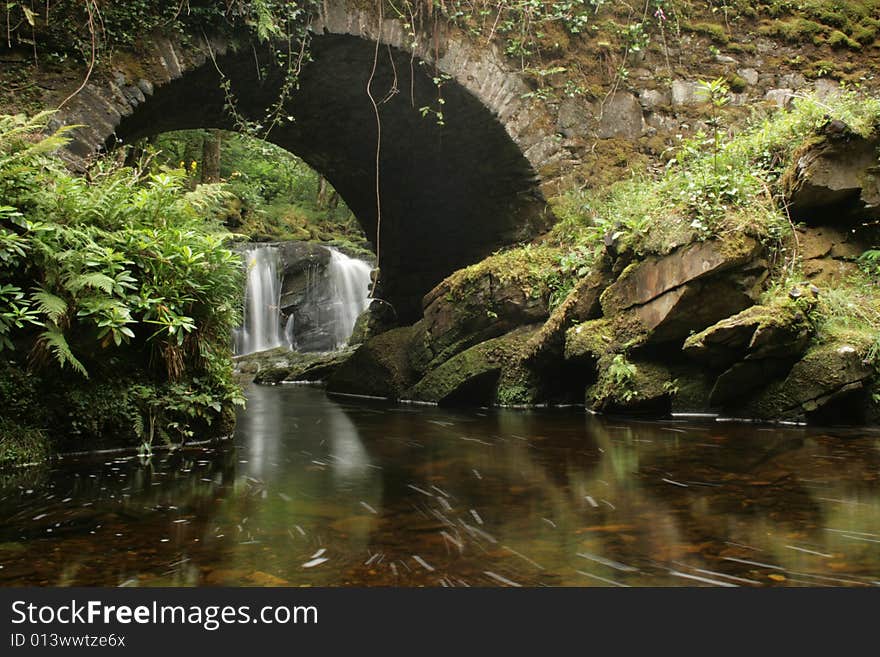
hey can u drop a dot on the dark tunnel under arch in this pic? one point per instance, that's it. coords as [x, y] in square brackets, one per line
[451, 194]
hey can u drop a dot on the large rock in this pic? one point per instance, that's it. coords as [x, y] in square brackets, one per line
[304, 367]
[581, 304]
[472, 376]
[637, 387]
[621, 116]
[380, 367]
[781, 331]
[821, 385]
[687, 290]
[482, 302]
[828, 255]
[377, 318]
[835, 181]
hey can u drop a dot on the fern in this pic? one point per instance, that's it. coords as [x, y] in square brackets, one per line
[94, 280]
[53, 307]
[54, 339]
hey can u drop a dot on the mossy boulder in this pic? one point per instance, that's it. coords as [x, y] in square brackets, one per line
[472, 377]
[587, 342]
[687, 290]
[828, 384]
[380, 367]
[637, 387]
[377, 318]
[759, 344]
[484, 301]
[779, 330]
[580, 305]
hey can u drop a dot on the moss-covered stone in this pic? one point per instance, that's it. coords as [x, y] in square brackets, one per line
[780, 329]
[826, 378]
[380, 367]
[304, 367]
[472, 376]
[581, 304]
[638, 387]
[589, 341]
[485, 301]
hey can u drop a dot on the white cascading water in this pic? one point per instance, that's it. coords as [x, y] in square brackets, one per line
[261, 329]
[349, 280]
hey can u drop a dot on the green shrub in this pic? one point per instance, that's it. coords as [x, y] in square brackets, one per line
[114, 278]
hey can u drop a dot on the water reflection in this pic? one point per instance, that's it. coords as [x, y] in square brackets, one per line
[341, 492]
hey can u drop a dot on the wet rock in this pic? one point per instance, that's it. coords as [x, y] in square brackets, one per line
[637, 387]
[820, 385]
[835, 181]
[380, 367]
[471, 377]
[377, 318]
[304, 367]
[693, 287]
[301, 263]
[475, 305]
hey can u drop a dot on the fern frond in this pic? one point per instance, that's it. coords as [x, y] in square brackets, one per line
[54, 307]
[94, 280]
[54, 339]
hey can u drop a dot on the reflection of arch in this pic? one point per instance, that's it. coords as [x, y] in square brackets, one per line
[451, 194]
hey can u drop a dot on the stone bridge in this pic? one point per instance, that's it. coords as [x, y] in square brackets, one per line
[450, 194]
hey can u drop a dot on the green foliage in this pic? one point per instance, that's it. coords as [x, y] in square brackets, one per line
[621, 375]
[272, 194]
[117, 267]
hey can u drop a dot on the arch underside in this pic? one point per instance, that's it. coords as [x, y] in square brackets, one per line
[450, 194]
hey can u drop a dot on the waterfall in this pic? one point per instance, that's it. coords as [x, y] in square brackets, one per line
[349, 280]
[331, 299]
[261, 329]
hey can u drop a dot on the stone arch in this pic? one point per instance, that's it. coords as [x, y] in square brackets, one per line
[451, 194]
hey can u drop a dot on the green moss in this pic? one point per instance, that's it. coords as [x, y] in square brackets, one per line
[526, 267]
[715, 31]
[736, 83]
[631, 387]
[795, 30]
[838, 39]
[472, 377]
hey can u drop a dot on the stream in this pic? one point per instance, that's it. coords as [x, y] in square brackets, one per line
[320, 490]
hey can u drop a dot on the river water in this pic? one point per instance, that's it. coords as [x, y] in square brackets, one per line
[316, 490]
